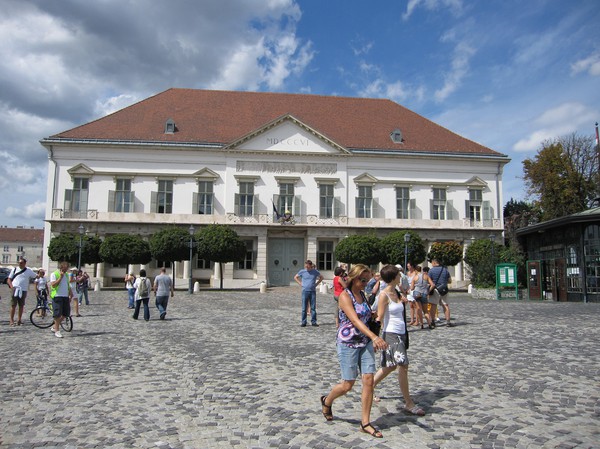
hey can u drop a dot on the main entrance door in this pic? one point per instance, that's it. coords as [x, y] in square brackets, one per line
[286, 258]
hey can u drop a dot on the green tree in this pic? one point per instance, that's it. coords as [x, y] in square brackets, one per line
[220, 243]
[365, 249]
[125, 249]
[392, 247]
[447, 253]
[563, 176]
[171, 244]
[66, 247]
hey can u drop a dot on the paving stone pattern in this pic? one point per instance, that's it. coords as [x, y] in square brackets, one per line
[233, 369]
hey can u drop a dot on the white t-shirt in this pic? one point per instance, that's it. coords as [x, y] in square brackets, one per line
[22, 281]
[137, 284]
[63, 287]
[41, 283]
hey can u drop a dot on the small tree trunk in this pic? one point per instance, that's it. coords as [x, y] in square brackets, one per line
[221, 275]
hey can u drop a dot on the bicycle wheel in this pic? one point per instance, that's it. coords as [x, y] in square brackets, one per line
[67, 324]
[41, 317]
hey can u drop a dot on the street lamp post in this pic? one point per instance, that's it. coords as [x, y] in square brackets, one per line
[191, 231]
[406, 240]
[81, 230]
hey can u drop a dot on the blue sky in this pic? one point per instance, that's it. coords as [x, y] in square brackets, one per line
[508, 74]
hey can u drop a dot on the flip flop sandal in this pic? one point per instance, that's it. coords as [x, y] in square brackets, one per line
[326, 409]
[375, 433]
[415, 410]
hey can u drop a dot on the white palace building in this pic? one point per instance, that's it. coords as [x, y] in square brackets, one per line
[340, 166]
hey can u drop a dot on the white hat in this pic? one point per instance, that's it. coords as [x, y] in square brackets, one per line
[399, 267]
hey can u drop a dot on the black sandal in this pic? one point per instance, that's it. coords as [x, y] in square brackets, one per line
[375, 434]
[326, 409]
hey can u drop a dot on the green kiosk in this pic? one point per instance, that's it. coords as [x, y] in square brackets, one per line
[506, 281]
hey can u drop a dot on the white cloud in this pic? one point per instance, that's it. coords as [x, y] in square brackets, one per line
[33, 211]
[455, 6]
[561, 120]
[105, 106]
[591, 64]
[463, 53]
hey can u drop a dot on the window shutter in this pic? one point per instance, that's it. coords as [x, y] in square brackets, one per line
[83, 201]
[68, 200]
[412, 208]
[487, 214]
[467, 209]
[375, 210]
[111, 201]
[255, 205]
[154, 202]
[195, 205]
[297, 206]
[431, 209]
[236, 206]
[130, 198]
[449, 210]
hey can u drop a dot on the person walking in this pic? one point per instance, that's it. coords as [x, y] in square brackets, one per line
[308, 278]
[18, 281]
[439, 296]
[163, 287]
[421, 284]
[129, 281]
[339, 284]
[41, 289]
[356, 346]
[61, 294]
[391, 310]
[143, 287]
[83, 285]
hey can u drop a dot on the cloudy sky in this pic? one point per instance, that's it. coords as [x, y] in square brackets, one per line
[508, 74]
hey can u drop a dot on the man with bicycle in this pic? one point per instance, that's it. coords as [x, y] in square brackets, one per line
[61, 294]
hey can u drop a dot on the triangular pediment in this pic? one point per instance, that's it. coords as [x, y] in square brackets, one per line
[366, 178]
[476, 181]
[206, 173]
[287, 134]
[80, 170]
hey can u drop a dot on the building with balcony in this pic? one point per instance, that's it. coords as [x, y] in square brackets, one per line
[21, 242]
[293, 174]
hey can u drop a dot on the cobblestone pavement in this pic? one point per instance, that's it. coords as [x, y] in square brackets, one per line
[233, 369]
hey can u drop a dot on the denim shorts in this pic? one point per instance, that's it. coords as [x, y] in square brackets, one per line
[61, 306]
[355, 360]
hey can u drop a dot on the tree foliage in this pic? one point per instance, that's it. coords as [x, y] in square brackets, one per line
[125, 249]
[171, 243]
[66, 247]
[563, 176]
[482, 261]
[220, 243]
[392, 246]
[518, 214]
[447, 253]
[365, 249]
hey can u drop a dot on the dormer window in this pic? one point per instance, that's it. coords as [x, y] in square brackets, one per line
[170, 126]
[396, 136]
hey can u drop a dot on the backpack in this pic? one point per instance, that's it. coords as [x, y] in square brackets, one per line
[143, 290]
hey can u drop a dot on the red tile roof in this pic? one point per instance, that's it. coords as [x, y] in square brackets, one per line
[21, 235]
[208, 116]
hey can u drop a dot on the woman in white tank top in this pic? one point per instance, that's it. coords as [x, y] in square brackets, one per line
[391, 311]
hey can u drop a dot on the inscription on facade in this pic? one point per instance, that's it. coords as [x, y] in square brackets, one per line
[294, 141]
[286, 167]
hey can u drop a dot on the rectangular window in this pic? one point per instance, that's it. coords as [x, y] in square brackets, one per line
[123, 196]
[163, 263]
[5, 258]
[248, 262]
[325, 256]
[164, 198]
[246, 199]
[286, 198]
[326, 201]
[205, 198]
[475, 202]
[76, 200]
[402, 203]
[364, 202]
[20, 248]
[439, 204]
[203, 264]
[6, 248]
